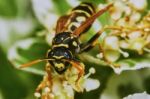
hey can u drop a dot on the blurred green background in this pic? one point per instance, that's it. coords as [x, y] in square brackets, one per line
[17, 84]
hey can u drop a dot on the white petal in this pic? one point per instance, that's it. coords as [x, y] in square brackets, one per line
[139, 4]
[10, 27]
[73, 3]
[112, 42]
[135, 34]
[125, 66]
[45, 12]
[91, 84]
[143, 95]
[68, 90]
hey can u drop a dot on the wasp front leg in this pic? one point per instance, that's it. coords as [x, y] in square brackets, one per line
[79, 66]
[80, 70]
[48, 70]
[46, 84]
[92, 43]
[41, 86]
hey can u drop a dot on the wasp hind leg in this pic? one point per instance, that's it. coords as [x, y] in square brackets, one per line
[92, 43]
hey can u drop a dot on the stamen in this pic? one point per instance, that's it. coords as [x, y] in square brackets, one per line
[125, 54]
[91, 71]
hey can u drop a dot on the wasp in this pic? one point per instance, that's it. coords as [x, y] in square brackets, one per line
[66, 44]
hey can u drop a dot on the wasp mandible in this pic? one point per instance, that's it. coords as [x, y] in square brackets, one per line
[66, 45]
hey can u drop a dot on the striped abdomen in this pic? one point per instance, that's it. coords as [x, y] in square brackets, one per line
[79, 15]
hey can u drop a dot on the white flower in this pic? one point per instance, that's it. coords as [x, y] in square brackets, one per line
[139, 5]
[117, 10]
[64, 87]
[111, 42]
[111, 47]
[45, 13]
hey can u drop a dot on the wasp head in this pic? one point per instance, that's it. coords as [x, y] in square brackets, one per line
[59, 56]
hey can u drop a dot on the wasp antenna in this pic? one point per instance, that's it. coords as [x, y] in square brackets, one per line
[90, 20]
[33, 62]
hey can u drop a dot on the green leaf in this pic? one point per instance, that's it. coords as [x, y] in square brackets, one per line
[13, 8]
[8, 8]
[135, 63]
[28, 50]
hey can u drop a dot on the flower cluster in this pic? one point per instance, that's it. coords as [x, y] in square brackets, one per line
[130, 31]
[63, 86]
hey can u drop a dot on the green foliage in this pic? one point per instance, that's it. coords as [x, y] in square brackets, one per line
[23, 42]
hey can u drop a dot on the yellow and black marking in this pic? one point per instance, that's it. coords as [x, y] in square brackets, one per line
[59, 66]
[61, 45]
[85, 8]
[79, 15]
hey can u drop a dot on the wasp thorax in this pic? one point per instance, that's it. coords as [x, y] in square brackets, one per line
[67, 40]
[61, 37]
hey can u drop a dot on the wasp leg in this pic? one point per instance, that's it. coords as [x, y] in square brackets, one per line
[47, 81]
[92, 43]
[49, 77]
[80, 67]
[41, 85]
